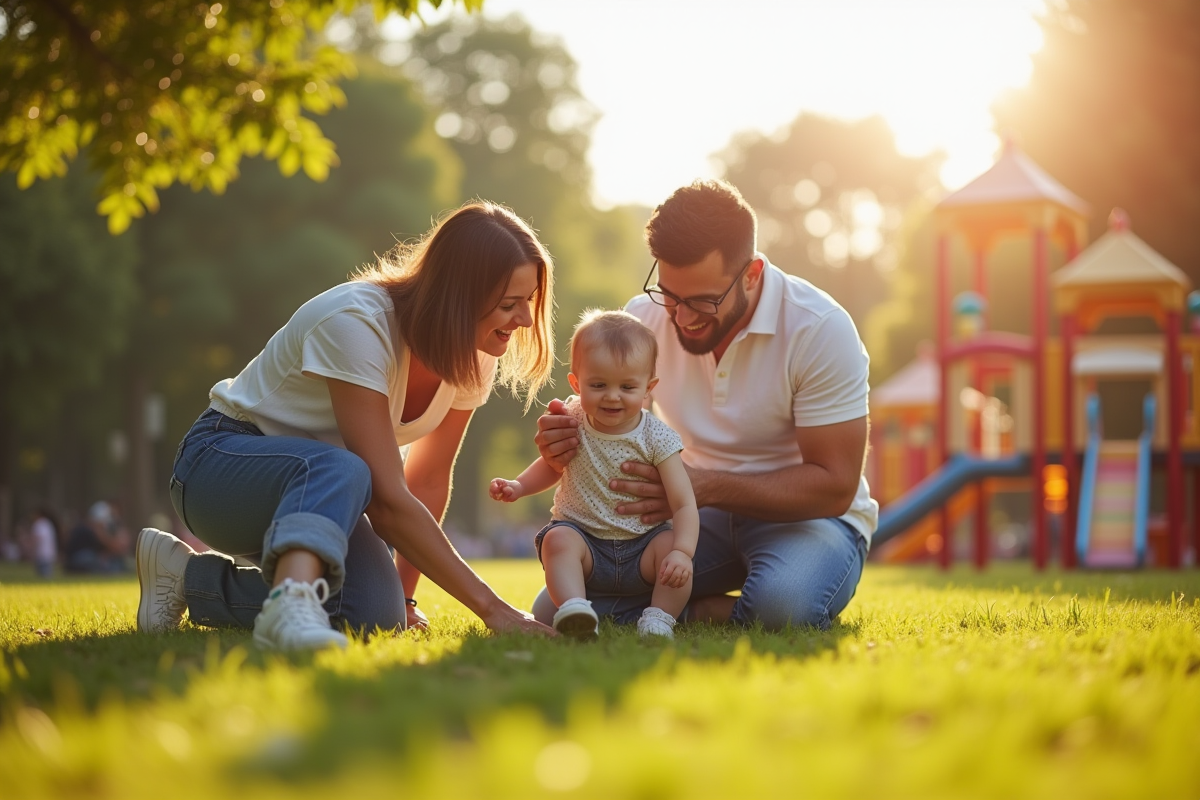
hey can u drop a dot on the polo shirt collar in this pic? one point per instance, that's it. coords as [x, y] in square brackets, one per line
[766, 316]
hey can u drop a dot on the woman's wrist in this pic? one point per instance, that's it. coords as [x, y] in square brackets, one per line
[495, 608]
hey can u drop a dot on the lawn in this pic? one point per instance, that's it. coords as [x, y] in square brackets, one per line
[1005, 684]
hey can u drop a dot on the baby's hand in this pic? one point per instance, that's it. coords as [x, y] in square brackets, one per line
[676, 569]
[504, 491]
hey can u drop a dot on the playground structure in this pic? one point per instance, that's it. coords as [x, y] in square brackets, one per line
[1080, 421]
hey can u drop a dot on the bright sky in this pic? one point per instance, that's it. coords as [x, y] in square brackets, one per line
[676, 79]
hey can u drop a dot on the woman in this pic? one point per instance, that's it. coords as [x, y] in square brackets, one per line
[298, 447]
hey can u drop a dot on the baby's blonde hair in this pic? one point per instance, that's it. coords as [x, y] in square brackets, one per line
[620, 333]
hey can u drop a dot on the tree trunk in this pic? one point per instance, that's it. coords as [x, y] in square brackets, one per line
[7, 436]
[140, 474]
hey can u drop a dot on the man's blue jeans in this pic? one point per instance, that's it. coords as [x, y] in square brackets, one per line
[246, 494]
[797, 573]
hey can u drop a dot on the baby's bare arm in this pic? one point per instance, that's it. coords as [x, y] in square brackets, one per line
[685, 518]
[538, 477]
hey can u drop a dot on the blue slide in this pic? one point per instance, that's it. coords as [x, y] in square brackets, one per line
[930, 494]
[1114, 497]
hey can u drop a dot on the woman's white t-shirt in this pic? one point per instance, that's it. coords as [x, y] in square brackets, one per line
[347, 333]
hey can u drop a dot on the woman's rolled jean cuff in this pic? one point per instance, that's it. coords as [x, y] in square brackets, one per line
[302, 530]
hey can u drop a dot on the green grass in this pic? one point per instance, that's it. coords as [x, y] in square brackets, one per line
[1001, 684]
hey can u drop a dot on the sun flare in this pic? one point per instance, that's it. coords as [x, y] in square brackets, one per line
[674, 82]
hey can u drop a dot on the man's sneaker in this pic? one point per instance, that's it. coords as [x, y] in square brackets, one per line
[161, 560]
[292, 618]
[575, 618]
[656, 622]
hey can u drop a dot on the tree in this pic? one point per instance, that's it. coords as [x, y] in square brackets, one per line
[66, 289]
[178, 92]
[830, 197]
[1112, 109]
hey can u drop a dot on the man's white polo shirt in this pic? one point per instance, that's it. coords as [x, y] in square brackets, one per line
[799, 363]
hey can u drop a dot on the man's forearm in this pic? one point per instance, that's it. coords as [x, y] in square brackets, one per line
[790, 494]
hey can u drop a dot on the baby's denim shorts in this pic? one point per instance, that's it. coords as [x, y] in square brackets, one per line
[616, 563]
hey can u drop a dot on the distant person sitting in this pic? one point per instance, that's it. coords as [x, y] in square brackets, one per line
[43, 534]
[96, 544]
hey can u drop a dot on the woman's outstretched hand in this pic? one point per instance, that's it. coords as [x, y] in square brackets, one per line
[506, 619]
[415, 618]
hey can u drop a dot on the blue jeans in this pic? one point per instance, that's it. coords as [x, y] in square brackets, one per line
[247, 494]
[789, 573]
[616, 564]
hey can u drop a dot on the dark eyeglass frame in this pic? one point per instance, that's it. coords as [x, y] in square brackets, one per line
[705, 306]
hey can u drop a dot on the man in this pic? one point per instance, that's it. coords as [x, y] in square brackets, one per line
[765, 378]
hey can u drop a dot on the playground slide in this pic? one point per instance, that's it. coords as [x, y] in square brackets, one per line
[1114, 494]
[933, 492]
[913, 544]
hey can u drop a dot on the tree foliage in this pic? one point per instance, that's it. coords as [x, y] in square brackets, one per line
[1112, 109]
[168, 91]
[66, 290]
[218, 276]
[830, 198]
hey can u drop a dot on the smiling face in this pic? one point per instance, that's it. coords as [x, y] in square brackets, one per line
[610, 390]
[511, 308]
[708, 279]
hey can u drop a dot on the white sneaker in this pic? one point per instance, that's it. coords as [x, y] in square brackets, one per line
[656, 622]
[161, 560]
[292, 618]
[575, 618]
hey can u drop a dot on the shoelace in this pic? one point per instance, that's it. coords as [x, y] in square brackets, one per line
[169, 598]
[315, 595]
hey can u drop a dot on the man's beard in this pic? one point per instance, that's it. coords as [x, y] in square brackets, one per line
[698, 347]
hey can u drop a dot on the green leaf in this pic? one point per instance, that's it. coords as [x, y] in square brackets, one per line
[289, 161]
[27, 174]
[118, 222]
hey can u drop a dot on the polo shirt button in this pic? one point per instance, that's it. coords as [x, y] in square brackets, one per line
[721, 374]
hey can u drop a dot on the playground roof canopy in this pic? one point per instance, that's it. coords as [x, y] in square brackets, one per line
[916, 384]
[1014, 178]
[1120, 257]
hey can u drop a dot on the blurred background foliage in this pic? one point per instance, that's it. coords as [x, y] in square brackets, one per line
[169, 91]
[109, 344]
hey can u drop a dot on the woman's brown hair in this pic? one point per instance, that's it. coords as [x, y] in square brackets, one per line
[445, 283]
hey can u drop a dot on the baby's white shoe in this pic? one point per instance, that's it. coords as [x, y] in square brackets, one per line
[656, 622]
[575, 618]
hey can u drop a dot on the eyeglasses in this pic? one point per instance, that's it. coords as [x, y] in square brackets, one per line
[701, 305]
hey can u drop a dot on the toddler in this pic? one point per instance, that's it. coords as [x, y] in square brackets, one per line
[589, 549]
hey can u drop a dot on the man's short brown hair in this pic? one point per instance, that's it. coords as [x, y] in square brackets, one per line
[698, 219]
